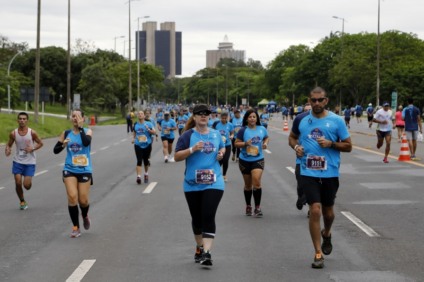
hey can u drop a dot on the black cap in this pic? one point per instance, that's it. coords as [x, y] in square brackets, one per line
[201, 108]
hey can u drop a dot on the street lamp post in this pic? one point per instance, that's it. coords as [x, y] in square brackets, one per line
[378, 58]
[129, 57]
[340, 91]
[138, 59]
[116, 37]
[68, 67]
[8, 83]
[226, 85]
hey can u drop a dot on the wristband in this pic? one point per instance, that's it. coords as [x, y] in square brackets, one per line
[295, 147]
[333, 145]
[191, 150]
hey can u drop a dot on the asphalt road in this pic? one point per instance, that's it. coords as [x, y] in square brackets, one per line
[140, 235]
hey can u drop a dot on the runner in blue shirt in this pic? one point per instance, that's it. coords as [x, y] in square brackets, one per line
[181, 121]
[202, 149]
[213, 118]
[167, 128]
[142, 140]
[77, 172]
[237, 122]
[318, 136]
[226, 130]
[252, 138]
[265, 118]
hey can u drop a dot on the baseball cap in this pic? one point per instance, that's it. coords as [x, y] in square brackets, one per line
[201, 108]
[370, 104]
[386, 104]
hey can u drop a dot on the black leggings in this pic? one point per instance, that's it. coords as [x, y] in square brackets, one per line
[143, 154]
[234, 149]
[203, 206]
[225, 159]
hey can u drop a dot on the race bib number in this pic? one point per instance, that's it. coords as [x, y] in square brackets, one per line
[166, 131]
[252, 151]
[316, 162]
[205, 176]
[142, 138]
[22, 153]
[224, 139]
[236, 129]
[80, 160]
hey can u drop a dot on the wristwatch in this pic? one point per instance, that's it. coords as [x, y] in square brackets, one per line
[333, 145]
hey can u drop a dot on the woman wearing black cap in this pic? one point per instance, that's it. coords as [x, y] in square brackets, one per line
[202, 148]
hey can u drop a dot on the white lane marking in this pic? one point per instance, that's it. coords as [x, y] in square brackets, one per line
[291, 169]
[368, 230]
[123, 140]
[92, 153]
[40, 173]
[116, 144]
[149, 188]
[104, 148]
[1, 188]
[268, 151]
[81, 270]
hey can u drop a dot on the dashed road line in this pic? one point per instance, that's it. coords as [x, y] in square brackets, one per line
[267, 151]
[368, 230]
[104, 148]
[81, 270]
[1, 188]
[116, 144]
[92, 153]
[149, 188]
[292, 170]
[40, 173]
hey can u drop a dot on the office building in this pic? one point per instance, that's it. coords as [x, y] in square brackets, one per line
[225, 50]
[160, 47]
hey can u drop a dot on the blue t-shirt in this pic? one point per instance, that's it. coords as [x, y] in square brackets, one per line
[225, 131]
[159, 117]
[264, 118]
[237, 123]
[142, 136]
[166, 126]
[204, 160]
[347, 113]
[308, 128]
[78, 159]
[212, 121]
[253, 152]
[410, 114]
[182, 120]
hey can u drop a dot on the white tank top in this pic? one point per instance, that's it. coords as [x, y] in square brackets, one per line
[22, 142]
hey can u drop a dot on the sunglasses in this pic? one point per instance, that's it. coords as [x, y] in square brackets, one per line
[320, 100]
[202, 114]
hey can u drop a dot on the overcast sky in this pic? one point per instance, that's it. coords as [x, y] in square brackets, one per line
[261, 28]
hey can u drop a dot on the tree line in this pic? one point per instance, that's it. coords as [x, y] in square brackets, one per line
[344, 64]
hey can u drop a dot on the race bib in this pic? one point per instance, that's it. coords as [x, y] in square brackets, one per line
[80, 160]
[142, 138]
[22, 153]
[252, 151]
[316, 162]
[166, 131]
[224, 139]
[205, 176]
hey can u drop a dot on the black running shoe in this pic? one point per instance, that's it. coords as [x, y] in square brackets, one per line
[138, 180]
[206, 259]
[318, 261]
[326, 246]
[198, 254]
[248, 210]
[301, 201]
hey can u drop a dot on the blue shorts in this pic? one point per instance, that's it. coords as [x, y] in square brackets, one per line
[23, 169]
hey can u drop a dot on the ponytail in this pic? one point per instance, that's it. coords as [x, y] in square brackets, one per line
[189, 124]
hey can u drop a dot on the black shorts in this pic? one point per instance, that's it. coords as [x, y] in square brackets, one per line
[170, 140]
[247, 167]
[358, 115]
[81, 177]
[319, 190]
[382, 134]
[370, 118]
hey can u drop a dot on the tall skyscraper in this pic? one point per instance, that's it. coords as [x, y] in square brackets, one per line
[160, 47]
[225, 50]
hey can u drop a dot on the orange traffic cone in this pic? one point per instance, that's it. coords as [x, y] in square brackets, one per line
[404, 155]
[286, 126]
[93, 120]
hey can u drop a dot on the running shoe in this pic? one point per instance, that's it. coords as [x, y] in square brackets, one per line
[385, 160]
[301, 201]
[318, 261]
[237, 160]
[138, 180]
[233, 158]
[87, 222]
[248, 210]
[198, 254]
[225, 179]
[166, 159]
[326, 246]
[171, 160]
[206, 259]
[146, 178]
[23, 205]
[75, 232]
[258, 212]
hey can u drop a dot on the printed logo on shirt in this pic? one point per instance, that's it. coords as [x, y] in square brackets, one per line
[75, 147]
[256, 140]
[208, 148]
[315, 134]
